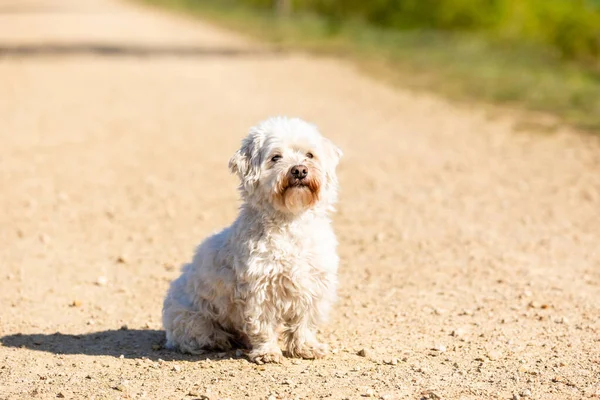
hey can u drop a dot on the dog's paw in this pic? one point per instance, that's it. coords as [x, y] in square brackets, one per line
[266, 355]
[310, 351]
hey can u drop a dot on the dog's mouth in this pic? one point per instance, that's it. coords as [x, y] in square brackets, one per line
[312, 184]
[295, 195]
[299, 184]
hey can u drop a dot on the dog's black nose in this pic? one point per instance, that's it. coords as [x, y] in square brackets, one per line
[299, 171]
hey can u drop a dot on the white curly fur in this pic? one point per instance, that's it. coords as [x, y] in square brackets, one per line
[274, 270]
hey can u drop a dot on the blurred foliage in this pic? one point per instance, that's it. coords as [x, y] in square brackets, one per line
[509, 56]
[571, 27]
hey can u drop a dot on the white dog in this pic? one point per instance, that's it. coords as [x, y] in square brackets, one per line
[274, 271]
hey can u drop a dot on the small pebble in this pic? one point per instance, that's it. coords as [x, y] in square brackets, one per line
[534, 304]
[101, 281]
[430, 395]
[75, 303]
[363, 353]
[525, 393]
[176, 368]
[459, 332]
[439, 347]
[169, 267]
[368, 393]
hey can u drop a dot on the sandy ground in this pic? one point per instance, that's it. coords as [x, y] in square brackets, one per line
[470, 250]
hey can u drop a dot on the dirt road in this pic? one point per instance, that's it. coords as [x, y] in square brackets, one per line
[470, 250]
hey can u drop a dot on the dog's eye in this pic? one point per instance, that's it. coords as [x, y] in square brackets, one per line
[309, 155]
[276, 158]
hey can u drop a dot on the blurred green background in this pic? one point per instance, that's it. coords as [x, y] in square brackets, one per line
[572, 27]
[540, 55]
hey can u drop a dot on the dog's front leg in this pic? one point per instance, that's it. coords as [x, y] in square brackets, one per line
[300, 337]
[301, 342]
[260, 326]
[306, 314]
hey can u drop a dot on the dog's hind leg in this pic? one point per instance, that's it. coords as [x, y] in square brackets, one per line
[192, 331]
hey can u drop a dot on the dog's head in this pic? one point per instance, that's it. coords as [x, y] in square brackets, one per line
[286, 163]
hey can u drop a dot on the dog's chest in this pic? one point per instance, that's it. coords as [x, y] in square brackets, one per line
[289, 253]
[297, 252]
[290, 268]
[301, 246]
[293, 271]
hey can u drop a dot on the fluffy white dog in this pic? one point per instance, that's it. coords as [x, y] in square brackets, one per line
[274, 271]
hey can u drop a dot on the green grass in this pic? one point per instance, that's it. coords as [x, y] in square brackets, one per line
[464, 66]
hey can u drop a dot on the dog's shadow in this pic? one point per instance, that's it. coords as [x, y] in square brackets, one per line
[130, 343]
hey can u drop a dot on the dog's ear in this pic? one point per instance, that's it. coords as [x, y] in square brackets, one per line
[245, 163]
[335, 153]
